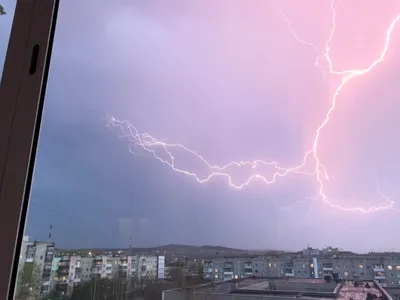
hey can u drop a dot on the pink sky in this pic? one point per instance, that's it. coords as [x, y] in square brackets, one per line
[229, 80]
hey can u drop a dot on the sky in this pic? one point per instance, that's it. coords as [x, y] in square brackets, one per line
[230, 81]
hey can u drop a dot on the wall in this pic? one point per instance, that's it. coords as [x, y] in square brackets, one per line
[180, 295]
[304, 286]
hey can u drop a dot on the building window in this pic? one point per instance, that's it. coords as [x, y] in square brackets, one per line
[398, 268]
[390, 268]
[311, 265]
[361, 266]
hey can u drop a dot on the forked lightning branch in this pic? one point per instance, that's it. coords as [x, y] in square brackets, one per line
[165, 152]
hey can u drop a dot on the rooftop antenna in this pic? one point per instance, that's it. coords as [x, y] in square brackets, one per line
[130, 246]
[50, 228]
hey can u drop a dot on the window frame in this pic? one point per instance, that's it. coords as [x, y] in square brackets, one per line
[22, 91]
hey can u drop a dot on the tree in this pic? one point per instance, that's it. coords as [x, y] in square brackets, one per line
[97, 288]
[177, 275]
[29, 282]
[2, 11]
[154, 290]
[200, 268]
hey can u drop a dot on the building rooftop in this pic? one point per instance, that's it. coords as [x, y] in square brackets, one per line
[225, 286]
[298, 288]
[349, 291]
[292, 284]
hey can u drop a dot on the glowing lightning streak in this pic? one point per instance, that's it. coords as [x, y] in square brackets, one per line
[347, 76]
[149, 143]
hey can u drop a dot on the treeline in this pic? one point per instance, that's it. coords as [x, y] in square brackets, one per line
[29, 286]
[120, 288]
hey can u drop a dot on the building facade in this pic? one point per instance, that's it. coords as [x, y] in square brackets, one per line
[385, 268]
[35, 263]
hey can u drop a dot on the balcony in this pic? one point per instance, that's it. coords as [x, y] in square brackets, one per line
[228, 272]
[61, 286]
[63, 263]
[378, 268]
[289, 272]
[62, 273]
[46, 280]
[48, 263]
[248, 271]
[327, 267]
[49, 257]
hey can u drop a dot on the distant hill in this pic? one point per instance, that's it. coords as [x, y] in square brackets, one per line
[180, 252]
[173, 250]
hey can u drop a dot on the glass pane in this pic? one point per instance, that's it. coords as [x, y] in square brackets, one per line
[7, 9]
[261, 128]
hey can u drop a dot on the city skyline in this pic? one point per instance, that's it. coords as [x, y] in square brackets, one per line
[231, 82]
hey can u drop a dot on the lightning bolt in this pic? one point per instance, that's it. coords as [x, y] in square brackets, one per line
[165, 152]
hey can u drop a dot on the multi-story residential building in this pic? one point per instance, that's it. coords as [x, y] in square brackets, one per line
[105, 266]
[36, 258]
[147, 267]
[66, 278]
[140, 267]
[302, 267]
[385, 268]
[70, 271]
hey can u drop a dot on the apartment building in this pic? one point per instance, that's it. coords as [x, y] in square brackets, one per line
[385, 268]
[150, 267]
[105, 266]
[35, 262]
[70, 271]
